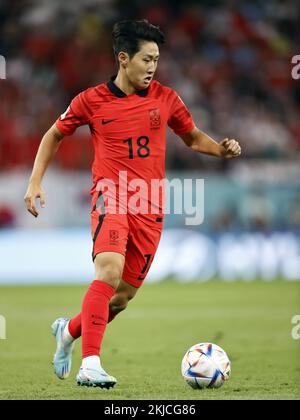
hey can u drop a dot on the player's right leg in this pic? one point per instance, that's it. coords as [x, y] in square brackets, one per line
[109, 233]
[94, 317]
[67, 331]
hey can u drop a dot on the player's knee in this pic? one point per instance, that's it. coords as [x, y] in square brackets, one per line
[110, 274]
[120, 301]
[118, 308]
[109, 268]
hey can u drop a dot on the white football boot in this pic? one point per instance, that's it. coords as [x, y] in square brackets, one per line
[92, 374]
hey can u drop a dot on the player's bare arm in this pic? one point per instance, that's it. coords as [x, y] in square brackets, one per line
[200, 142]
[48, 148]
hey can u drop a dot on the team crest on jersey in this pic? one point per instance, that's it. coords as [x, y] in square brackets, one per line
[114, 237]
[154, 118]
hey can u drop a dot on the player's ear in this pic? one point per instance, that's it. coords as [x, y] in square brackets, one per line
[123, 59]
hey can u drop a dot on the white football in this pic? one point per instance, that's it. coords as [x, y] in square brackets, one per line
[205, 365]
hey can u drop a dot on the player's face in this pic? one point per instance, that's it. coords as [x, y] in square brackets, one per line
[142, 67]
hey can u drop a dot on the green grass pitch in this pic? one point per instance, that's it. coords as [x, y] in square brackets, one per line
[144, 345]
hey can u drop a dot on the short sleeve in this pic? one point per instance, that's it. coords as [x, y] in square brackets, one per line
[180, 118]
[75, 116]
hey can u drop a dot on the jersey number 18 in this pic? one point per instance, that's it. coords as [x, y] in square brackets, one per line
[143, 150]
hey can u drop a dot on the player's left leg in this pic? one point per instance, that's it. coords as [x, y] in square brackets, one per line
[62, 361]
[141, 247]
[143, 241]
[118, 303]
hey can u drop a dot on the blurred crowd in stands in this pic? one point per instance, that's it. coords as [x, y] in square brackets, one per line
[229, 61]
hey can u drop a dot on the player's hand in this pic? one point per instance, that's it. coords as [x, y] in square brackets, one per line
[230, 148]
[33, 192]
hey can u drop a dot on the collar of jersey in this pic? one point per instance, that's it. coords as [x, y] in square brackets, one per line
[119, 93]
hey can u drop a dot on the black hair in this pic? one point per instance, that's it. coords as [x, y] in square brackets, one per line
[128, 34]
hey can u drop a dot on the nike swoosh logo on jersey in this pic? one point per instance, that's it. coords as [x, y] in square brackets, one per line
[108, 121]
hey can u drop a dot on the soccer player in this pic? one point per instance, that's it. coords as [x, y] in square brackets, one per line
[127, 118]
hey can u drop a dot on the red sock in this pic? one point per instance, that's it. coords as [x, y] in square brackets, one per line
[75, 326]
[94, 317]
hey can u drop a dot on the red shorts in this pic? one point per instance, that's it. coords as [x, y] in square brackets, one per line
[129, 235]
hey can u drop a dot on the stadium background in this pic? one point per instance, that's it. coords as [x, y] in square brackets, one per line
[231, 63]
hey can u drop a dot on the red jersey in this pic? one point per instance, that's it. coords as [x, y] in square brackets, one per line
[128, 131]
